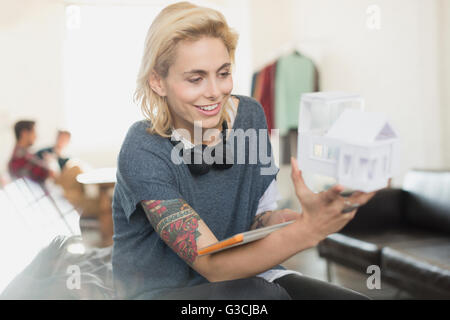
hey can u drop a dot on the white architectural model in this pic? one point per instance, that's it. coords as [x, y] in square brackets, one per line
[337, 139]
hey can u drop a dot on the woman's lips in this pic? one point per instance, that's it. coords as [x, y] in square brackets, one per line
[212, 112]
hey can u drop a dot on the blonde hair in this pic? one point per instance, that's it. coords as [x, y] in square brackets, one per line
[176, 22]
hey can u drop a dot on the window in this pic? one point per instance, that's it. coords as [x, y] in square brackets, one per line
[325, 152]
[373, 169]
[103, 45]
[347, 164]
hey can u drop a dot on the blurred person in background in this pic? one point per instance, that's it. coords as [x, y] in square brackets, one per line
[57, 151]
[23, 163]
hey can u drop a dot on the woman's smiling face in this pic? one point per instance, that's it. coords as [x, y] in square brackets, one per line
[198, 84]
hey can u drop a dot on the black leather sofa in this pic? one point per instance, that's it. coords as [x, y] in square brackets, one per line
[406, 232]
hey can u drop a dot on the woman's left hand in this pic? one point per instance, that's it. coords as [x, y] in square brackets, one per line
[326, 212]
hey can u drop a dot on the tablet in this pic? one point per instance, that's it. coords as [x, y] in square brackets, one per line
[241, 238]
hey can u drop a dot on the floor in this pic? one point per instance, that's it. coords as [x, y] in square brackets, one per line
[311, 264]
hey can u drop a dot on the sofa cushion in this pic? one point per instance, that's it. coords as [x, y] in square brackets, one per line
[360, 250]
[422, 268]
[384, 210]
[401, 237]
[350, 252]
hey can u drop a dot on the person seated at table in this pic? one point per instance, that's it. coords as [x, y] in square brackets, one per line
[57, 151]
[23, 163]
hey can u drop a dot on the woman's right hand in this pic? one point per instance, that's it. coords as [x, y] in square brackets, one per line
[323, 212]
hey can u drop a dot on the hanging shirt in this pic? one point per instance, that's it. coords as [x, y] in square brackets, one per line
[295, 75]
[267, 98]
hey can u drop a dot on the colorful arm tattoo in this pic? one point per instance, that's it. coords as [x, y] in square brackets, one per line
[177, 224]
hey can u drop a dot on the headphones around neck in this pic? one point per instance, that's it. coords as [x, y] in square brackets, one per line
[197, 152]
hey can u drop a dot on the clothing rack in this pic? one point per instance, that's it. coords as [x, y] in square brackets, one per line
[283, 66]
[280, 51]
[289, 47]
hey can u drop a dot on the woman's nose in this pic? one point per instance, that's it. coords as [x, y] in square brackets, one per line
[212, 90]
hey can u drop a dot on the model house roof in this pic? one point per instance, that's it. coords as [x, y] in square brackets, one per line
[360, 126]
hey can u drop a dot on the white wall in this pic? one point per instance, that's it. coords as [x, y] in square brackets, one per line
[30, 64]
[444, 19]
[272, 27]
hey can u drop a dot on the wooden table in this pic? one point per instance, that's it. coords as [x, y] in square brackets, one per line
[105, 178]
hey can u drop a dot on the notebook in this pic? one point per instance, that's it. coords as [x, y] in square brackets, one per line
[241, 238]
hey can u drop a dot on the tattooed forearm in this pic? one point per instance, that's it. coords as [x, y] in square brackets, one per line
[177, 224]
[260, 220]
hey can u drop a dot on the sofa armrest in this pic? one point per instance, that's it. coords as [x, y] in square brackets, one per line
[384, 210]
[428, 200]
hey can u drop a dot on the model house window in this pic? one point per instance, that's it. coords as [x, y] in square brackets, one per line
[318, 151]
[372, 168]
[347, 164]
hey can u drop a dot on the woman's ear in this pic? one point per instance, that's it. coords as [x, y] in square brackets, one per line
[156, 84]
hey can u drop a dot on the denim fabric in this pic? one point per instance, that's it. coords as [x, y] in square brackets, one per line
[226, 200]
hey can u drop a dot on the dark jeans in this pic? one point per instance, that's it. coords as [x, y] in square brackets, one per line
[306, 288]
[289, 287]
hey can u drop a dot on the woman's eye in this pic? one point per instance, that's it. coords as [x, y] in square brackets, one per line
[195, 80]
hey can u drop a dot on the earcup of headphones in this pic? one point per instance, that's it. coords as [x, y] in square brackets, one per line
[199, 169]
[194, 158]
[226, 158]
[196, 153]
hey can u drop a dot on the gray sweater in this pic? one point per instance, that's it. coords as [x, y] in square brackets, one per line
[227, 200]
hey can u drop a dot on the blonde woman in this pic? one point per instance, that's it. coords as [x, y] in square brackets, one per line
[164, 210]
